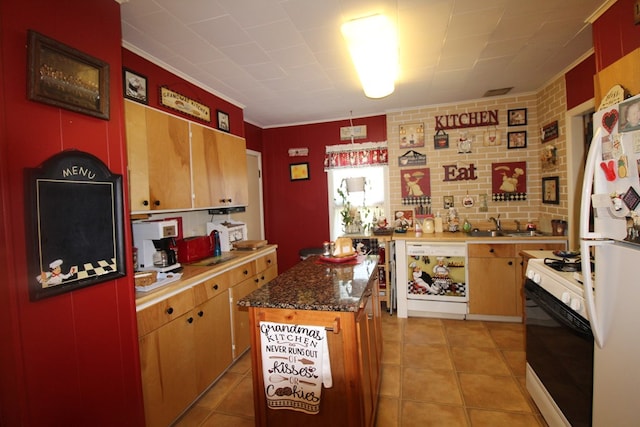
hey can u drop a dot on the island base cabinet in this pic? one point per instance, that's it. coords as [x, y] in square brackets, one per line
[355, 368]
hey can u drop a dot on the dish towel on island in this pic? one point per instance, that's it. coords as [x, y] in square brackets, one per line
[295, 365]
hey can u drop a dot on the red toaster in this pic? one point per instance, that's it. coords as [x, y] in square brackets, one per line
[195, 248]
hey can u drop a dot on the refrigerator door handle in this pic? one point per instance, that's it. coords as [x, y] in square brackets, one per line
[595, 152]
[596, 318]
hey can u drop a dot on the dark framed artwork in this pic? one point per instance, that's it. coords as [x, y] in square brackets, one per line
[223, 121]
[134, 86]
[62, 76]
[517, 117]
[411, 135]
[551, 190]
[517, 139]
[299, 171]
[75, 233]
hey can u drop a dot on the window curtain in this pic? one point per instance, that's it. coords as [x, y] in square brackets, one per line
[356, 155]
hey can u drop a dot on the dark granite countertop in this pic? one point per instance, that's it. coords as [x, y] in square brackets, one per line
[314, 284]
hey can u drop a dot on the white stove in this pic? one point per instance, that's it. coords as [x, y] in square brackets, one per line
[563, 285]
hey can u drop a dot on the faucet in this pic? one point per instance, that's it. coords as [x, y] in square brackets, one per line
[517, 225]
[496, 221]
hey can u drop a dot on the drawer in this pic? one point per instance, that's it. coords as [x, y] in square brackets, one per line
[240, 273]
[267, 275]
[163, 312]
[266, 261]
[212, 287]
[540, 247]
[491, 250]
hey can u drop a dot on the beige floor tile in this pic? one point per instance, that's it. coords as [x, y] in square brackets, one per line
[517, 361]
[492, 392]
[424, 333]
[426, 356]
[475, 335]
[482, 418]
[508, 339]
[391, 352]
[219, 420]
[392, 328]
[430, 385]
[239, 401]
[391, 378]
[220, 389]
[479, 360]
[388, 412]
[194, 417]
[243, 364]
[420, 414]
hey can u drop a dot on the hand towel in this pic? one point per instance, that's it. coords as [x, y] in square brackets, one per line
[295, 365]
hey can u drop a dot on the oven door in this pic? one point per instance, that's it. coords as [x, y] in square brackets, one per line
[559, 350]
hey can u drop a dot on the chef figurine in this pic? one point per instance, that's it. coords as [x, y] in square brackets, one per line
[54, 276]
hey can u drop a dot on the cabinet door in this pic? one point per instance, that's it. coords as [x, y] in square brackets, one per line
[233, 170]
[213, 339]
[366, 358]
[137, 157]
[492, 286]
[168, 376]
[241, 331]
[206, 164]
[169, 161]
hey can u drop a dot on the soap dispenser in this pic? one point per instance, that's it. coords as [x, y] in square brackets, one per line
[438, 226]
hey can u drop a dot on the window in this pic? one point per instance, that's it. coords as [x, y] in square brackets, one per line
[371, 203]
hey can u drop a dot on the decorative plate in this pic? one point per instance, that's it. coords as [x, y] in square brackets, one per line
[338, 259]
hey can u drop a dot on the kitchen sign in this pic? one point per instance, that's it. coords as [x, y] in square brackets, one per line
[455, 173]
[181, 103]
[467, 120]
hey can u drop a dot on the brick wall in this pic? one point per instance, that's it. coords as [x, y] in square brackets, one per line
[543, 107]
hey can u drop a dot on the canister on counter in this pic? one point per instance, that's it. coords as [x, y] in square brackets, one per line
[326, 249]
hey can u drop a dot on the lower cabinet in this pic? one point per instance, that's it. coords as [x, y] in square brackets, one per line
[495, 277]
[186, 341]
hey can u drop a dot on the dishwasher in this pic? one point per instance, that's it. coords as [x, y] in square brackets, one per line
[431, 279]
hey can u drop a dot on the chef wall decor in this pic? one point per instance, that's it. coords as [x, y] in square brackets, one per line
[416, 185]
[509, 181]
[411, 135]
[76, 225]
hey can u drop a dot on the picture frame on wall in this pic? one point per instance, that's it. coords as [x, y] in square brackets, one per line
[411, 135]
[517, 139]
[299, 171]
[134, 86]
[517, 117]
[551, 190]
[223, 121]
[65, 77]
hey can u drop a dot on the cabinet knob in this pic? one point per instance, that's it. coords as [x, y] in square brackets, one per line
[200, 313]
[145, 203]
[256, 280]
[157, 203]
[491, 250]
[268, 261]
[190, 320]
[510, 262]
[170, 310]
[215, 287]
[245, 272]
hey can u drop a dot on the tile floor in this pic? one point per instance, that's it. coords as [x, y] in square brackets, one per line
[435, 372]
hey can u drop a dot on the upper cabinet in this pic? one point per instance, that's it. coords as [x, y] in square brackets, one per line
[219, 168]
[178, 165]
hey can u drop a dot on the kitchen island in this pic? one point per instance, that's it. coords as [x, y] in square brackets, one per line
[341, 299]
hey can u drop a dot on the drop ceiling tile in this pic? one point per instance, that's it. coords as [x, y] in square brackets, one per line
[246, 54]
[276, 35]
[264, 71]
[222, 32]
[192, 11]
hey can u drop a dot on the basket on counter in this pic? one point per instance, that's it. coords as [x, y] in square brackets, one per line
[145, 278]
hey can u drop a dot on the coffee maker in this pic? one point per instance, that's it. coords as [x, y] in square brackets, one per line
[154, 240]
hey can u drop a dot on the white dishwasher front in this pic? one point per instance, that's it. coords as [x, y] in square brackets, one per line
[432, 279]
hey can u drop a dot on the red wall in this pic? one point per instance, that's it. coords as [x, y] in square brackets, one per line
[72, 359]
[579, 82]
[614, 33]
[157, 77]
[297, 213]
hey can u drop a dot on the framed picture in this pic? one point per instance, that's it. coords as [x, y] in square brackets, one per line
[411, 135]
[176, 101]
[517, 139]
[134, 86]
[630, 115]
[447, 202]
[223, 121]
[517, 117]
[549, 131]
[64, 77]
[551, 190]
[299, 171]
[75, 232]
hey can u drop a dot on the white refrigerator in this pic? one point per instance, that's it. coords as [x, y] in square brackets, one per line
[611, 191]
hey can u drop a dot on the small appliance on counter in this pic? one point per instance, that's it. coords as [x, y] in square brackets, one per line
[192, 249]
[229, 232]
[155, 240]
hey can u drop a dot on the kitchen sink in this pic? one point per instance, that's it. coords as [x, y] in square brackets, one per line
[523, 233]
[485, 233]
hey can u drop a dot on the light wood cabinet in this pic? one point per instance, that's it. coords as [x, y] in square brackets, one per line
[264, 270]
[495, 277]
[219, 168]
[159, 159]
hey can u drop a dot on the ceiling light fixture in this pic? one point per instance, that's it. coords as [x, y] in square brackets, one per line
[373, 46]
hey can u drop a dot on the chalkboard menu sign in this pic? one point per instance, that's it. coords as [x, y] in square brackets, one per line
[76, 227]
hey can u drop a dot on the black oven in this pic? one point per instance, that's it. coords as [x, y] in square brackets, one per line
[559, 349]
